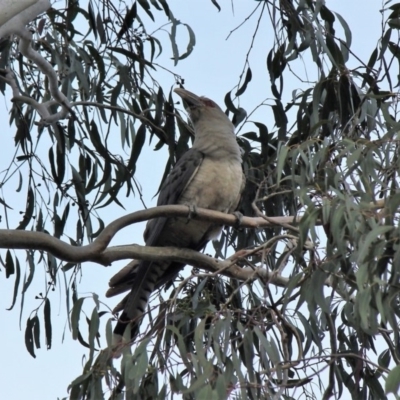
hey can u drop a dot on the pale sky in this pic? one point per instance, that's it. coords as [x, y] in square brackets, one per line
[211, 70]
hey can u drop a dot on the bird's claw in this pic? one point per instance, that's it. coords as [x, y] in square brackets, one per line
[239, 219]
[192, 212]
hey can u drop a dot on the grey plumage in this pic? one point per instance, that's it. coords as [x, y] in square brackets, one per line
[209, 175]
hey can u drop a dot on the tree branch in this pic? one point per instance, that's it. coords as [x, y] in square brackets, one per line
[15, 15]
[98, 252]
[226, 267]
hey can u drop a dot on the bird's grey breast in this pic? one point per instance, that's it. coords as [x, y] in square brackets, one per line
[216, 185]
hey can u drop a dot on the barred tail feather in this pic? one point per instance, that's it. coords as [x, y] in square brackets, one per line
[146, 278]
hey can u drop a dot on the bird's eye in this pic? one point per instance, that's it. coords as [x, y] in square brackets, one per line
[209, 103]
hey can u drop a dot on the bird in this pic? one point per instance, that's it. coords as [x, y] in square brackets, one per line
[209, 175]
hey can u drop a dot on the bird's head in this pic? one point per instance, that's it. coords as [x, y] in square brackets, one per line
[214, 132]
[199, 107]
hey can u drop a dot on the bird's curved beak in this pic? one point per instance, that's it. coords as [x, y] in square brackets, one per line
[189, 98]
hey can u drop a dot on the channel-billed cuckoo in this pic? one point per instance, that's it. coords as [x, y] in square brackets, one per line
[209, 175]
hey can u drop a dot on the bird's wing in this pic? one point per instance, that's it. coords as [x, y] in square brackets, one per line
[177, 181]
[148, 274]
[175, 184]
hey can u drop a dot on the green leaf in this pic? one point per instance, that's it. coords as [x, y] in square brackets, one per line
[321, 41]
[128, 21]
[100, 29]
[47, 323]
[200, 381]
[248, 347]
[392, 384]
[293, 283]
[100, 65]
[30, 202]
[394, 23]
[229, 104]
[282, 154]
[346, 28]
[9, 264]
[75, 315]
[4, 204]
[36, 331]
[371, 237]
[31, 264]
[92, 19]
[175, 51]
[247, 79]
[20, 181]
[16, 283]
[141, 364]
[317, 282]
[93, 328]
[239, 116]
[80, 379]
[29, 342]
[384, 358]
[146, 7]
[137, 148]
[216, 4]
[191, 44]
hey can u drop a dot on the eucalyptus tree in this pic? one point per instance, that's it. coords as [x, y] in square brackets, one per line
[299, 297]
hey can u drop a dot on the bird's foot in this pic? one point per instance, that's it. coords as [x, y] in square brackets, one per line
[192, 212]
[239, 219]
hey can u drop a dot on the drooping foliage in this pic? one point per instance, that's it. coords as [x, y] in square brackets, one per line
[328, 158]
